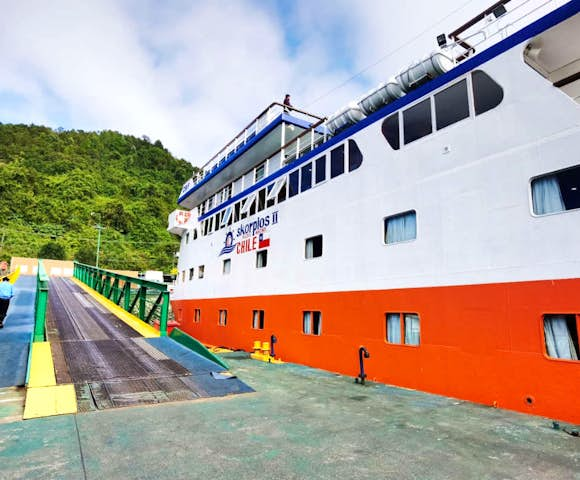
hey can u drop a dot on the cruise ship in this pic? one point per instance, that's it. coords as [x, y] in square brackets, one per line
[434, 221]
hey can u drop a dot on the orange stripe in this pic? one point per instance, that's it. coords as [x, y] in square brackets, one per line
[482, 343]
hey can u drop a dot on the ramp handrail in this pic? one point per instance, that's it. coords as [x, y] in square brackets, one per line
[40, 303]
[128, 292]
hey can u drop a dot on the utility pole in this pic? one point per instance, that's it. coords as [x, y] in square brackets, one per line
[99, 227]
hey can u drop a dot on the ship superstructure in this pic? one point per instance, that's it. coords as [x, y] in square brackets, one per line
[435, 221]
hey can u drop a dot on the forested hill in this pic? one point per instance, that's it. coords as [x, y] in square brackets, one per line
[55, 187]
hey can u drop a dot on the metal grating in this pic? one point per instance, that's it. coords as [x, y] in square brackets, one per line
[110, 364]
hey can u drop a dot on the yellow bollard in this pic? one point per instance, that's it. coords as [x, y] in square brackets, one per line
[257, 346]
[266, 349]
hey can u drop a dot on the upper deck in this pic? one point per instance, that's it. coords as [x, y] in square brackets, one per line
[277, 134]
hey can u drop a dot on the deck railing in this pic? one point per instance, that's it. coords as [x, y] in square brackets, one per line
[145, 299]
[248, 132]
[494, 24]
[40, 303]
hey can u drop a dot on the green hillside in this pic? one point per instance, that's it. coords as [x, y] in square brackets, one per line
[56, 186]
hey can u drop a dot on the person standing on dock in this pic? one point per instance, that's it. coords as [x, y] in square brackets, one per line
[6, 293]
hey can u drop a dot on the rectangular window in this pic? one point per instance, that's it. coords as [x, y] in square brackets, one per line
[236, 212]
[227, 266]
[227, 215]
[258, 319]
[187, 237]
[259, 172]
[248, 203]
[275, 189]
[223, 318]
[312, 322]
[320, 169]
[261, 258]
[417, 121]
[182, 276]
[306, 177]
[200, 271]
[282, 194]
[313, 247]
[294, 178]
[556, 192]
[191, 274]
[561, 336]
[261, 199]
[197, 315]
[337, 161]
[403, 328]
[401, 227]
[451, 105]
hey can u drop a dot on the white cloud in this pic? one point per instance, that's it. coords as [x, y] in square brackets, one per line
[192, 74]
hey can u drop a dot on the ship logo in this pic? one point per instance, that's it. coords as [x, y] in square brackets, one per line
[229, 244]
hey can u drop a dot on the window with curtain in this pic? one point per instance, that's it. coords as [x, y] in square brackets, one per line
[401, 227]
[306, 322]
[561, 336]
[197, 315]
[394, 327]
[258, 319]
[556, 192]
[411, 321]
[403, 328]
[200, 271]
[223, 318]
[313, 247]
[312, 322]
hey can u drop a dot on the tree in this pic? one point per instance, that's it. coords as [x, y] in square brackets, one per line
[52, 250]
[86, 254]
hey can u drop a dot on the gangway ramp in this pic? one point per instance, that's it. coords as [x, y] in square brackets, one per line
[112, 365]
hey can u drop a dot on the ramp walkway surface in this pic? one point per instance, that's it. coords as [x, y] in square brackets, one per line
[15, 336]
[112, 365]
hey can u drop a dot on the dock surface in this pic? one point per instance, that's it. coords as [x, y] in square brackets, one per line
[300, 423]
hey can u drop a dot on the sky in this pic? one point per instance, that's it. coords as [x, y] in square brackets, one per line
[193, 73]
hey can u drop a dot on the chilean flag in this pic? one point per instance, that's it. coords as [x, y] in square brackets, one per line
[263, 242]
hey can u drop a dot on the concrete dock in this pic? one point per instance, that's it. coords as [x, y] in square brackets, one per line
[300, 423]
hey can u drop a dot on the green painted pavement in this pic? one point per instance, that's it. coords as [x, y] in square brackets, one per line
[301, 423]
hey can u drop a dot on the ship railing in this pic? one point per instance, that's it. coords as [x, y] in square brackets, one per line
[494, 24]
[262, 120]
[145, 299]
[304, 143]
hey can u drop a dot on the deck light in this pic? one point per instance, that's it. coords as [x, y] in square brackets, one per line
[441, 40]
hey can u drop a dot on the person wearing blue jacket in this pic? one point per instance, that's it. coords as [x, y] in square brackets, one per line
[6, 293]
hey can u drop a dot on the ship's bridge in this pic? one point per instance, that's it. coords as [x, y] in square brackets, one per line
[279, 133]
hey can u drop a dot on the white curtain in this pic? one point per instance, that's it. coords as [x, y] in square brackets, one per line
[306, 322]
[393, 328]
[412, 336]
[309, 248]
[401, 228]
[546, 196]
[256, 319]
[559, 342]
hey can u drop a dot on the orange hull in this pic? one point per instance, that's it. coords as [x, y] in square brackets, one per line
[482, 343]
